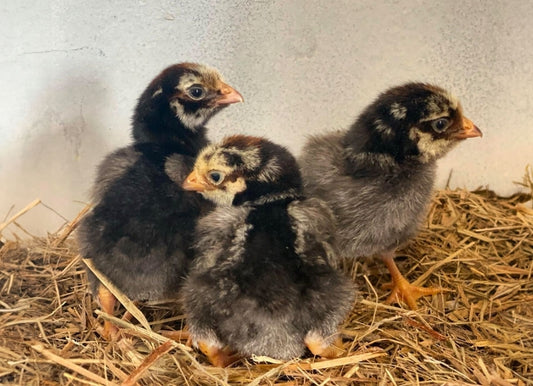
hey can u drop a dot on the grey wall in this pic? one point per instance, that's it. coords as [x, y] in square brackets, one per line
[70, 74]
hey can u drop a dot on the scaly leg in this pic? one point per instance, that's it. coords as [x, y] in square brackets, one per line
[107, 302]
[178, 336]
[318, 346]
[402, 290]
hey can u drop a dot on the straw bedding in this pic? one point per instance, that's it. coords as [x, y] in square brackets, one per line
[477, 245]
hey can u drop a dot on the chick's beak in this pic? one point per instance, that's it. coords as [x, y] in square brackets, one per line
[192, 183]
[469, 130]
[228, 95]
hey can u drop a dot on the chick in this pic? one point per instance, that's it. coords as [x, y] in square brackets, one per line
[378, 176]
[139, 231]
[263, 281]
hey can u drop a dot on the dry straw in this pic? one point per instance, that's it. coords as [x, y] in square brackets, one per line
[476, 244]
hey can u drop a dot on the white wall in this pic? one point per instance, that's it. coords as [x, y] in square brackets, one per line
[70, 74]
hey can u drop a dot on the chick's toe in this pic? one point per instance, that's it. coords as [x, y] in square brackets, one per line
[402, 290]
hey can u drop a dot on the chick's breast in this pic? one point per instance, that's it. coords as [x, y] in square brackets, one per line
[258, 295]
[373, 213]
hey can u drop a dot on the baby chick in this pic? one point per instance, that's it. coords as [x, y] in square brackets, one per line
[263, 280]
[139, 231]
[378, 176]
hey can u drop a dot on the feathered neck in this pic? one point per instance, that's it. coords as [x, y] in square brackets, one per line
[287, 196]
[368, 155]
[155, 121]
[257, 194]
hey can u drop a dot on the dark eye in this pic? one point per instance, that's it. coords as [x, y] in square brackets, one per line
[196, 92]
[441, 124]
[215, 176]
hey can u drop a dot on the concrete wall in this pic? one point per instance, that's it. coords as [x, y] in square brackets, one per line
[70, 73]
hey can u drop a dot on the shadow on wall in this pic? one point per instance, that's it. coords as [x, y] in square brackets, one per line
[54, 157]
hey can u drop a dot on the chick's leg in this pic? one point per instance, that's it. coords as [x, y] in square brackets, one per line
[319, 347]
[402, 290]
[220, 357]
[178, 336]
[107, 302]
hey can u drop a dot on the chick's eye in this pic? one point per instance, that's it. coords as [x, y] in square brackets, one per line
[441, 124]
[196, 92]
[215, 176]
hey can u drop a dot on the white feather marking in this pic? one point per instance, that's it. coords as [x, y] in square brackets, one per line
[209, 73]
[440, 104]
[270, 171]
[222, 227]
[188, 80]
[452, 99]
[429, 147]
[251, 157]
[157, 92]
[398, 111]
[193, 120]
[383, 128]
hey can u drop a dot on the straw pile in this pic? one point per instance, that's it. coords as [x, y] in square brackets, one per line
[476, 244]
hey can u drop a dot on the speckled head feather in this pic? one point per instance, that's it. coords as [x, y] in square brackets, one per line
[243, 169]
[412, 121]
[179, 102]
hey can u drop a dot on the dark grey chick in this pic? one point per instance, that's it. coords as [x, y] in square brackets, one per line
[140, 229]
[378, 176]
[263, 281]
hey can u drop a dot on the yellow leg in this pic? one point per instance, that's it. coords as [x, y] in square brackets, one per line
[402, 290]
[107, 302]
[217, 356]
[318, 346]
[178, 336]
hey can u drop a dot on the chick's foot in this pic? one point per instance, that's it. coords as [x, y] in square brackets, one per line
[402, 290]
[219, 357]
[318, 346]
[107, 302]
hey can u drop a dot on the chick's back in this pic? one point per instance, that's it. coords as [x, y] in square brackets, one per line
[140, 229]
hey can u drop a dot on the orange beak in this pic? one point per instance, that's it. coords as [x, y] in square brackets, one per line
[469, 130]
[228, 95]
[192, 183]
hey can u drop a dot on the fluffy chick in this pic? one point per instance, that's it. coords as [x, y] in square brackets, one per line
[263, 281]
[139, 231]
[378, 176]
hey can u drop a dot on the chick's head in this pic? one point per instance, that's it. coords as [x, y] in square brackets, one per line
[184, 95]
[244, 169]
[414, 120]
